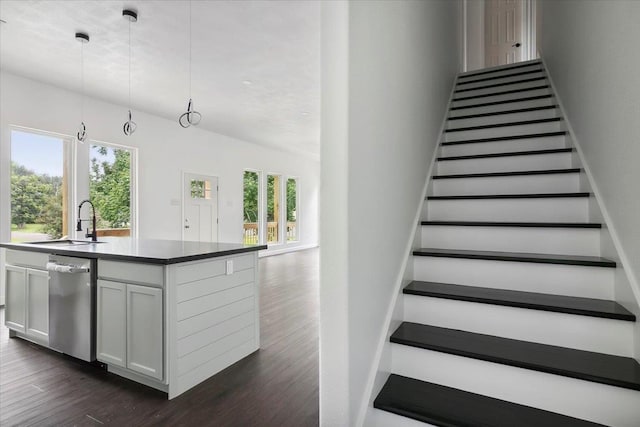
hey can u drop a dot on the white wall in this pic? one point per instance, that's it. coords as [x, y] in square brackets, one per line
[474, 34]
[385, 91]
[164, 151]
[591, 50]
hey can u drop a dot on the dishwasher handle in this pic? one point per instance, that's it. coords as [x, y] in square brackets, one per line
[67, 268]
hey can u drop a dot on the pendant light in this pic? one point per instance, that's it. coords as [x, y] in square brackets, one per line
[191, 116]
[83, 38]
[129, 126]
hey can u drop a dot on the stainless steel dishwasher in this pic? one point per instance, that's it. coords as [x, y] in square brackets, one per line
[72, 304]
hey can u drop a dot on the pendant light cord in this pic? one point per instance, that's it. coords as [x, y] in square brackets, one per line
[190, 49]
[82, 81]
[129, 64]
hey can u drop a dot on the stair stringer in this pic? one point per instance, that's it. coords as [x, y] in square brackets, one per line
[627, 285]
[381, 366]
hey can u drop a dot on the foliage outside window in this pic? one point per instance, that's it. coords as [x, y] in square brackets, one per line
[250, 207]
[273, 208]
[292, 207]
[110, 187]
[37, 187]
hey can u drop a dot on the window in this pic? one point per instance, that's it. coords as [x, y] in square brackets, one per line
[110, 189]
[250, 205]
[39, 187]
[201, 189]
[270, 209]
[273, 208]
[292, 209]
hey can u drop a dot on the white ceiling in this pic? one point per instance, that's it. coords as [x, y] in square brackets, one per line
[275, 45]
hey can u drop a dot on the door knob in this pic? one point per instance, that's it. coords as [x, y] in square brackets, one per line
[516, 45]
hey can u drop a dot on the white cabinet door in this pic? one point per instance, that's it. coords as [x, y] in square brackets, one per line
[15, 298]
[144, 330]
[111, 323]
[37, 297]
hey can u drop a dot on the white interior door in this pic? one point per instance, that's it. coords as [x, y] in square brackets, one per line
[503, 32]
[200, 208]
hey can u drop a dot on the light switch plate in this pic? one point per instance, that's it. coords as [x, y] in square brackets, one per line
[229, 267]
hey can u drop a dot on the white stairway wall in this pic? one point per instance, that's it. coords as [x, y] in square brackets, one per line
[399, 68]
[589, 49]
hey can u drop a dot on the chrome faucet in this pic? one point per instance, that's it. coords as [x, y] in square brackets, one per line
[94, 234]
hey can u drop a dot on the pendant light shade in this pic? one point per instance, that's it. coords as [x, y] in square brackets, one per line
[83, 38]
[191, 117]
[129, 126]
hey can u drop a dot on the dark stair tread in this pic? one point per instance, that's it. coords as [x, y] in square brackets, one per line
[486, 79]
[531, 300]
[506, 138]
[506, 101]
[498, 70]
[515, 224]
[502, 125]
[505, 92]
[511, 196]
[446, 406]
[500, 113]
[602, 368]
[507, 174]
[589, 261]
[489, 86]
[507, 154]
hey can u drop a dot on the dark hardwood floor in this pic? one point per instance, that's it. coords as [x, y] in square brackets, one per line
[276, 386]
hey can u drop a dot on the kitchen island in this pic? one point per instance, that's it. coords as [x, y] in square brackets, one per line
[168, 314]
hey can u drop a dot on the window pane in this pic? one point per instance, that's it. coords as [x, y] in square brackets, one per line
[273, 208]
[38, 187]
[251, 183]
[292, 209]
[110, 189]
[200, 189]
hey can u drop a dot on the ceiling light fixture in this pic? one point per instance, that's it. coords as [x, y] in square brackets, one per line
[83, 38]
[247, 82]
[191, 116]
[129, 126]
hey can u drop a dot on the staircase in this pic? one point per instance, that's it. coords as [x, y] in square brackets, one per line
[510, 320]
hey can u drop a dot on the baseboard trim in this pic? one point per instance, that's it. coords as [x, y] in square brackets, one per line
[286, 250]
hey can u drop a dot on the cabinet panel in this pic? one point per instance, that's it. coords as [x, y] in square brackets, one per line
[15, 298]
[129, 272]
[144, 330]
[111, 323]
[37, 283]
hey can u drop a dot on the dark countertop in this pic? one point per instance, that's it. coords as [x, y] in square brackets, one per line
[140, 250]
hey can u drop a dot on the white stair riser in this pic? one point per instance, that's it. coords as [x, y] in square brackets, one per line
[566, 330]
[577, 398]
[498, 71]
[501, 107]
[571, 280]
[487, 90]
[499, 97]
[504, 118]
[570, 209]
[508, 146]
[378, 418]
[566, 241]
[503, 131]
[549, 183]
[494, 81]
[505, 164]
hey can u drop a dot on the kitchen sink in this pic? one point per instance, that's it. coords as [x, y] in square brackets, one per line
[64, 242]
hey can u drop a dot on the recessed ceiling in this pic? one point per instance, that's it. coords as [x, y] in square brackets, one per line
[256, 64]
